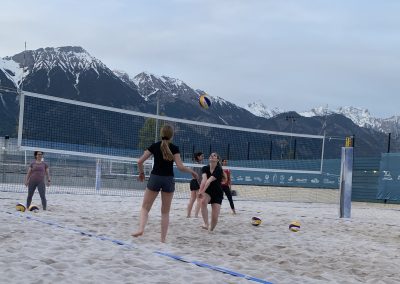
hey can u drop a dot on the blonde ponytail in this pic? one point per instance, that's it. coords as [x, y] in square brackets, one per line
[166, 132]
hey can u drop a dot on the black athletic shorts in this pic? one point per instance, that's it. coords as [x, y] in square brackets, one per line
[194, 185]
[164, 183]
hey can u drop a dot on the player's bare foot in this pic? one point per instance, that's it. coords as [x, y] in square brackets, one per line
[204, 227]
[137, 234]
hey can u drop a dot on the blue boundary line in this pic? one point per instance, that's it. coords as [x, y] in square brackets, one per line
[122, 243]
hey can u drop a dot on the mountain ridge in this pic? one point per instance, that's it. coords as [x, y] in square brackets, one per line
[76, 60]
[360, 116]
[72, 73]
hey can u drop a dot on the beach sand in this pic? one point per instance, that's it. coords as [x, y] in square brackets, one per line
[47, 247]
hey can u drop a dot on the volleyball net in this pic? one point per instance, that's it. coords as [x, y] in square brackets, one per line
[104, 144]
[71, 127]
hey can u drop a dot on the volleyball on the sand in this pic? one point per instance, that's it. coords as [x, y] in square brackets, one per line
[33, 208]
[205, 101]
[255, 221]
[294, 226]
[20, 207]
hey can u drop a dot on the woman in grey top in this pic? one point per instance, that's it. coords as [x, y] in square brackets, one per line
[35, 178]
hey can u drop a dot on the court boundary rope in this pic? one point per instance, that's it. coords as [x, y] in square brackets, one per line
[130, 246]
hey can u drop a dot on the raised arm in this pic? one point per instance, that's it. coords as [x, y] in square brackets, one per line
[182, 168]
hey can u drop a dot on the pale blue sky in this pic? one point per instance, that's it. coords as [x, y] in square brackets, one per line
[293, 55]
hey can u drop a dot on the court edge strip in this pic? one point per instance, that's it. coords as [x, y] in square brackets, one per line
[122, 243]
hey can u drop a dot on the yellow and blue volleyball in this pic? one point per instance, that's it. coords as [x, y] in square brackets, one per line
[33, 208]
[205, 101]
[20, 207]
[255, 221]
[294, 226]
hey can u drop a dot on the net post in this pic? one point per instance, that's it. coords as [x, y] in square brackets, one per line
[98, 174]
[346, 179]
[322, 153]
[270, 151]
[21, 117]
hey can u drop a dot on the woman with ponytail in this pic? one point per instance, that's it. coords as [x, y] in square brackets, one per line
[210, 191]
[165, 153]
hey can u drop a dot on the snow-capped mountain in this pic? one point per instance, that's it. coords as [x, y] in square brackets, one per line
[317, 111]
[150, 85]
[261, 110]
[12, 71]
[72, 59]
[360, 116]
[68, 72]
[177, 99]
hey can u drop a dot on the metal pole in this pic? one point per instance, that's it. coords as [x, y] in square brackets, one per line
[270, 151]
[388, 149]
[158, 112]
[294, 149]
[322, 152]
[21, 117]
[291, 138]
[98, 175]
[292, 120]
[23, 70]
[346, 179]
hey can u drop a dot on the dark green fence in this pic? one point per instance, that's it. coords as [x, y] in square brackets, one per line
[365, 180]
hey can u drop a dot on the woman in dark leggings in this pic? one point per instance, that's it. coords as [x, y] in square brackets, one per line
[37, 171]
[226, 185]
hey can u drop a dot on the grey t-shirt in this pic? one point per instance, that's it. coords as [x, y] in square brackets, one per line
[38, 172]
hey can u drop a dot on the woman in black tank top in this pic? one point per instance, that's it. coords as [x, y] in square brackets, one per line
[210, 191]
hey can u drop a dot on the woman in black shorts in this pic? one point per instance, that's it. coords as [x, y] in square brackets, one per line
[161, 178]
[210, 191]
[198, 158]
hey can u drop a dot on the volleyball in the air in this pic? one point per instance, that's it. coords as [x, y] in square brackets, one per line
[20, 207]
[205, 101]
[294, 226]
[33, 208]
[255, 221]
